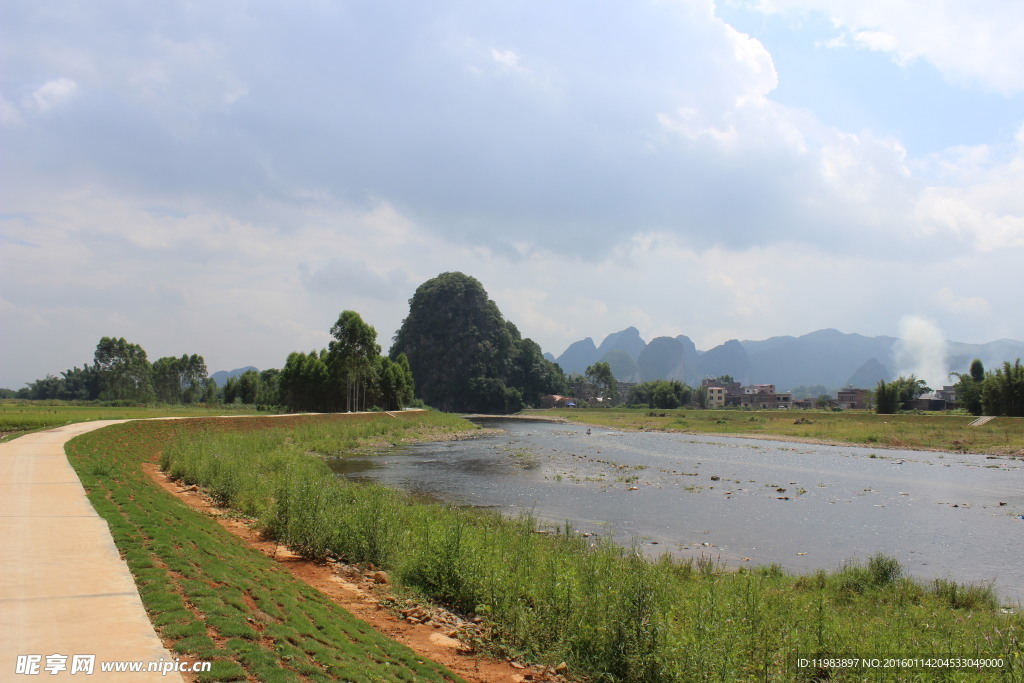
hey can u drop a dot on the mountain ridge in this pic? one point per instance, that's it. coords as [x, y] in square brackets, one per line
[826, 357]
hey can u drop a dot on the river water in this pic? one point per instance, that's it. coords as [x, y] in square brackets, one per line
[737, 501]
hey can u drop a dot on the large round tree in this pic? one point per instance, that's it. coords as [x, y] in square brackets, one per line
[464, 355]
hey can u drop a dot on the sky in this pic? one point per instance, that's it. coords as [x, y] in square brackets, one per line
[225, 178]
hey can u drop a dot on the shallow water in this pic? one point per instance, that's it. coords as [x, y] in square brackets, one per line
[740, 501]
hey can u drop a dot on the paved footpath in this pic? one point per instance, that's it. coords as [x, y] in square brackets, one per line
[64, 589]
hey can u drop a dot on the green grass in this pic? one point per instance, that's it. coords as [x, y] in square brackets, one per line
[612, 615]
[19, 417]
[210, 595]
[1004, 435]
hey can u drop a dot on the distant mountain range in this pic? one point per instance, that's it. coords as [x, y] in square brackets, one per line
[221, 376]
[826, 357]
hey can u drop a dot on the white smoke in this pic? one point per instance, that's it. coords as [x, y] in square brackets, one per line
[921, 350]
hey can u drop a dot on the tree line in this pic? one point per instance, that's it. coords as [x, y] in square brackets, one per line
[350, 374]
[122, 372]
[998, 392]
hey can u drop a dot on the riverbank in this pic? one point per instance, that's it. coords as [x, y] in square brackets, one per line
[602, 609]
[210, 597]
[932, 432]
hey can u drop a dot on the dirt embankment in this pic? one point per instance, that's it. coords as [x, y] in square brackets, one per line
[435, 633]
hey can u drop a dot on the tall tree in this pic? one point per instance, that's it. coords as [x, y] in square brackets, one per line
[352, 357]
[304, 382]
[167, 379]
[600, 374]
[1002, 392]
[179, 380]
[123, 370]
[887, 398]
[193, 377]
[968, 388]
[909, 389]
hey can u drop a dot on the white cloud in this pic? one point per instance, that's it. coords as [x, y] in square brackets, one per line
[221, 173]
[956, 303]
[979, 200]
[980, 42]
[508, 59]
[52, 94]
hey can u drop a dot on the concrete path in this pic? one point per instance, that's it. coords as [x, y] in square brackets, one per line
[64, 589]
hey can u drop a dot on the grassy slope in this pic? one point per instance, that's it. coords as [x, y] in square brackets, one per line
[211, 596]
[1004, 435]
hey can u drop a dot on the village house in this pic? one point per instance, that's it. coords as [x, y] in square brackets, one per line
[716, 396]
[853, 399]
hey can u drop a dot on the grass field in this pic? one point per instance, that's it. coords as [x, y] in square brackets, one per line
[610, 614]
[20, 417]
[210, 595]
[1002, 436]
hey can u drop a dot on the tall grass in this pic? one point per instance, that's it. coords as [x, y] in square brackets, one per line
[612, 615]
[213, 598]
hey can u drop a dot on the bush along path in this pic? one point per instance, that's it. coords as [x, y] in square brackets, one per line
[212, 598]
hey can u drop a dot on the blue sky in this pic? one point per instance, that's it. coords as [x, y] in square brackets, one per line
[225, 178]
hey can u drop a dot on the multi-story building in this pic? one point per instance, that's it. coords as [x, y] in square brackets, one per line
[853, 399]
[716, 396]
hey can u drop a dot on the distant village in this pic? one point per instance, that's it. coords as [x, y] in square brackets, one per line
[721, 394]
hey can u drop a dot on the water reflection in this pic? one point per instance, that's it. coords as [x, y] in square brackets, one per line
[742, 500]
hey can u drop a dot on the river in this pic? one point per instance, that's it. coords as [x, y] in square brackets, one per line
[735, 501]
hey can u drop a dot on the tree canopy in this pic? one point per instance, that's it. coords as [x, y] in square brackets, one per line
[123, 371]
[600, 375]
[465, 356]
[1002, 391]
[352, 358]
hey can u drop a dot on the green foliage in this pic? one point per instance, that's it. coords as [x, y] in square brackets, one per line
[350, 375]
[394, 387]
[464, 355]
[304, 381]
[1002, 392]
[665, 394]
[490, 395]
[898, 394]
[123, 370]
[180, 380]
[600, 375]
[968, 388]
[887, 400]
[352, 358]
